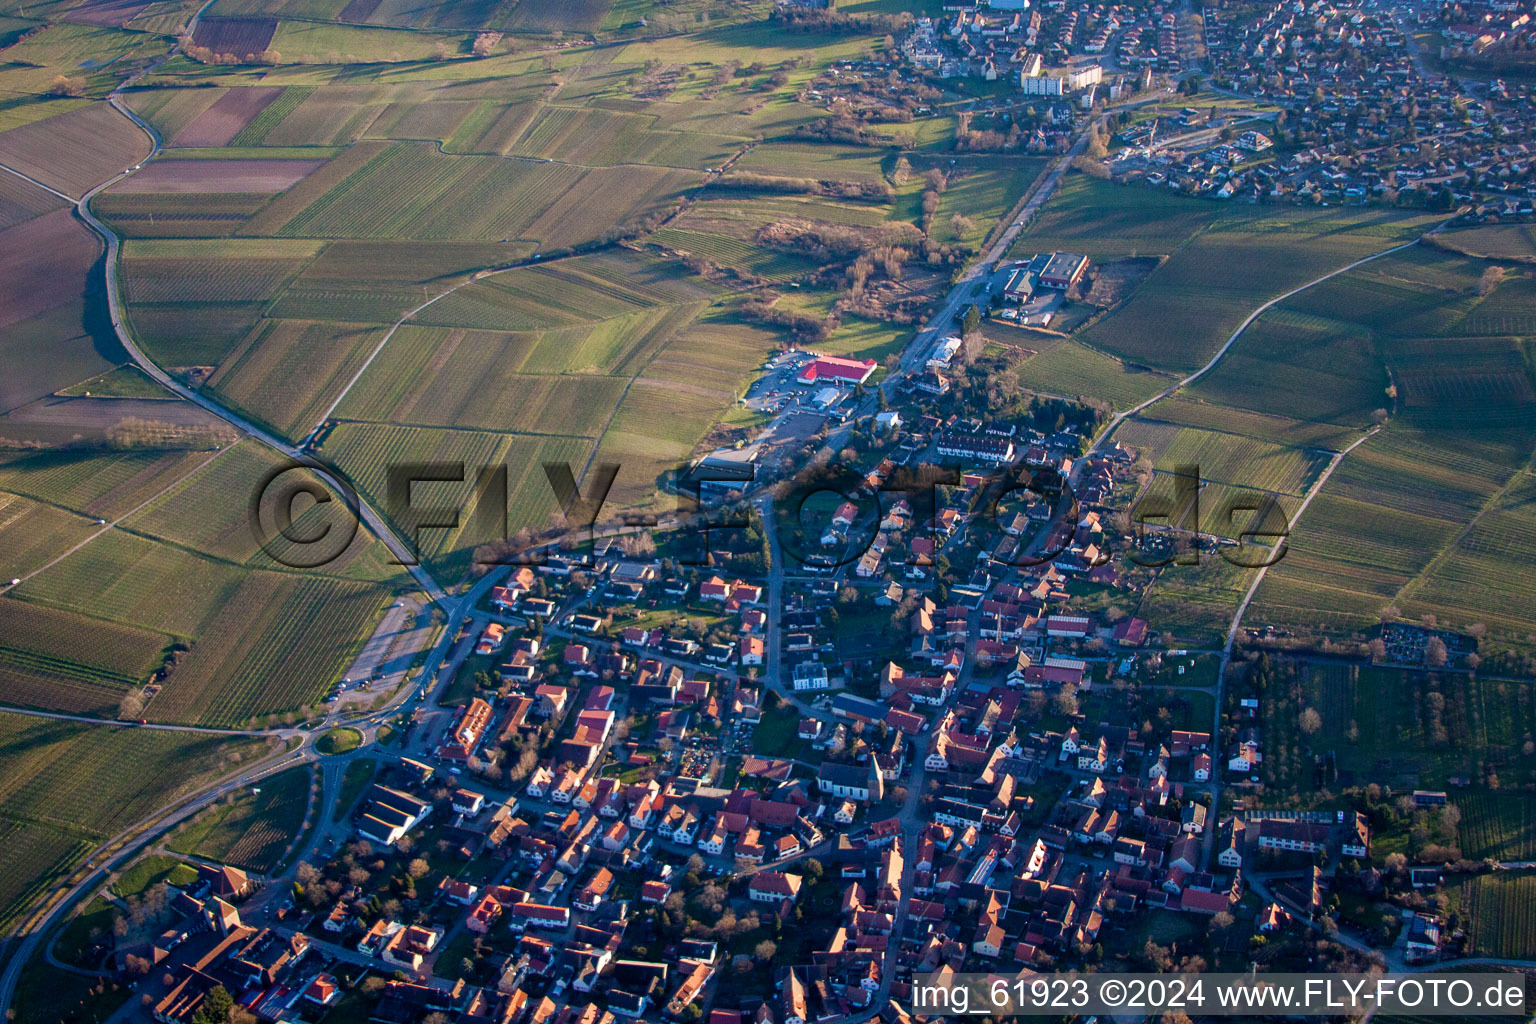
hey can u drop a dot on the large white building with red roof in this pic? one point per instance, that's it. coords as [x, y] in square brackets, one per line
[837, 370]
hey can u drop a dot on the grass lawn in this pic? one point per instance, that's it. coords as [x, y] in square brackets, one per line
[777, 735]
[858, 338]
[352, 1008]
[452, 955]
[47, 995]
[1187, 670]
[123, 382]
[150, 870]
[94, 920]
[339, 741]
[359, 774]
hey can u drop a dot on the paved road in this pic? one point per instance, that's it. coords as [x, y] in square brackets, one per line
[772, 676]
[167, 819]
[963, 294]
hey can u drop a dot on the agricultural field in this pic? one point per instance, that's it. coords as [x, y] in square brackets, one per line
[287, 372]
[1194, 604]
[1302, 367]
[1182, 313]
[36, 314]
[120, 382]
[1422, 515]
[484, 198]
[251, 829]
[816, 161]
[221, 177]
[1498, 825]
[226, 117]
[1499, 912]
[260, 641]
[597, 137]
[239, 37]
[76, 150]
[978, 194]
[92, 56]
[553, 16]
[1493, 241]
[1186, 408]
[97, 484]
[365, 451]
[673, 402]
[1414, 730]
[315, 43]
[240, 614]
[1223, 457]
[68, 788]
[31, 533]
[1438, 499]
[1348, 559]
[363, 252]
[20, 200]
[55, 659]
[209, 511]
[1068, 368]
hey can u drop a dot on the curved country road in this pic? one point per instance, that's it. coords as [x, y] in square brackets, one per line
[370, 518]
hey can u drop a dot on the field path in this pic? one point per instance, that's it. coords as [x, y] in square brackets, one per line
[1119, 418]
[367, 514]
[46, 188]
[1212, 789]
[341, 395]
[1333, 464]
[160, 726]
[480, 275]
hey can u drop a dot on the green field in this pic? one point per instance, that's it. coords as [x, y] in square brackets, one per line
[1071, 369]
[359, 773]
[122, 382]
[51, 658]
[1223, 457]
[339, 741]
[1498, 825]
[1194, 604]
[1432, 514]
[438, 168]
[366, 450]
[1223, 262]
